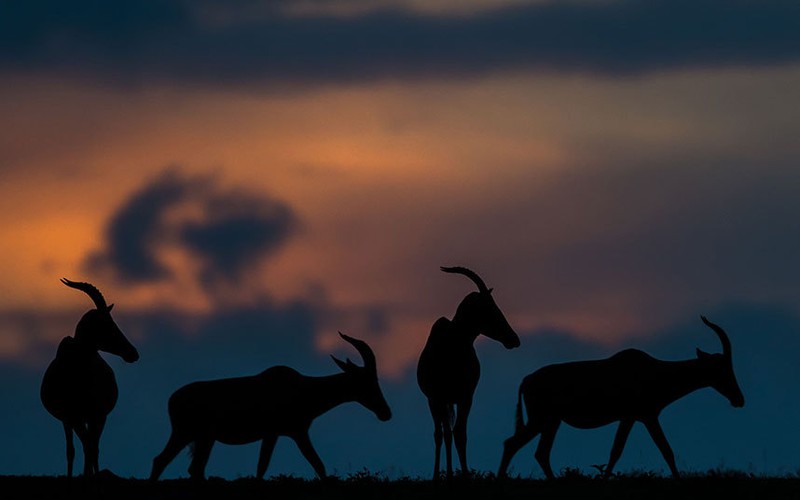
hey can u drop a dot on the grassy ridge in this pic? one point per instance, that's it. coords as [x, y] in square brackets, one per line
[727, 486]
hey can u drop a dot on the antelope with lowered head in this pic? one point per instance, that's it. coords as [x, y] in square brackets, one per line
[629, 386]
[448, 369]
[79, 387]
[277, 402]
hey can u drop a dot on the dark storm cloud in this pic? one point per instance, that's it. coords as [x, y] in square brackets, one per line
[234, 231]
[238, 229]
[135, 230]
[131, 42]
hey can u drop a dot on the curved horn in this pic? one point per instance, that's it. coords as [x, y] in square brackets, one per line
[723, 337]
[90, 290]
[364, 350]
[469, 274]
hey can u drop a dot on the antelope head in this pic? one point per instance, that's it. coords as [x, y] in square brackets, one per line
[721, 371]
[98, 328]
[365, 379]
[481, 310]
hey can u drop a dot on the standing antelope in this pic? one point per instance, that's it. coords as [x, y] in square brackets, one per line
[629, 386]
[448, 369]
[277, 402]
[79, 387]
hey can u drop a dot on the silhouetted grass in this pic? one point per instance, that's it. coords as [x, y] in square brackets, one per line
[365, 485]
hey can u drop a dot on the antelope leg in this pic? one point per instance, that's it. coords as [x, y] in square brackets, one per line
[620, 439]
[657, 433]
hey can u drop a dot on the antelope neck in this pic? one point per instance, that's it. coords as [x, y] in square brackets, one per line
[332, 390]
[84, 341]
[464, 327]
[684, 377]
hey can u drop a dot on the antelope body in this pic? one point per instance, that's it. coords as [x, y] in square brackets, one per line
[448, 369]
[79, 387]
[627, 387]
[277, 402]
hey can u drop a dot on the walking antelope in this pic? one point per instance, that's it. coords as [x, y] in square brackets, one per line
[629, 386]
[277, 402]
[448, 369]
[79, 387]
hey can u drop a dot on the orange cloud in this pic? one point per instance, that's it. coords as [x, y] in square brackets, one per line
[546, 186]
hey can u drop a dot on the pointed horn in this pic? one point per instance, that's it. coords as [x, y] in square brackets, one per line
[90, 290]
[469, 274]
[364, 350]
[723, 337]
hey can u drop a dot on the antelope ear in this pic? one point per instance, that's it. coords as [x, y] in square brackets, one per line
[702, 354]
[341, 364]
[109, 308]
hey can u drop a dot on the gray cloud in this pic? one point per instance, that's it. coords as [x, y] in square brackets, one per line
[235, 230]
[128, 42]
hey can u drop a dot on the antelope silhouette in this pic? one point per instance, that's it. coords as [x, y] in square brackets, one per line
[78, 387]
[627, 387]
[448, 368]
[277, 402]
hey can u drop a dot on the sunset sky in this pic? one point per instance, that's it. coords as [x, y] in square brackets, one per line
[244, 178]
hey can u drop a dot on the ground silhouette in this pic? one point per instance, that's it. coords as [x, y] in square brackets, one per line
[79, 387]
[277, 402]
[630, 386]
[731, 485]
[448, 369]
